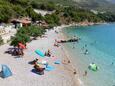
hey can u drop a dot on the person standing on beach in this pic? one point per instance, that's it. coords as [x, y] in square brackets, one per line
[85, 73]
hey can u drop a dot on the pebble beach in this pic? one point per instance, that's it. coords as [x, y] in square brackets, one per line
[62, 75]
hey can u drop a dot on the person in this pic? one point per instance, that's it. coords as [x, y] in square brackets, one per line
[112, 63]
[85, 45]
[85, 73]
[86, 52]
[56, 43]
[46, 65]
[69, 61]
[74, 72]
[39, 69]
[73, 46]
[48, 53]
[35, 61]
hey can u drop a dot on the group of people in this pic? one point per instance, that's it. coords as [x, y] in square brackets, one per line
[18, 50]
[48, 53]
[38, 68]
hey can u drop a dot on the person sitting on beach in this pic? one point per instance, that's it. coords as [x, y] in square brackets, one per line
[74, 72]
[35, 61]
[56, 43]
[48, 53]
[39, 69]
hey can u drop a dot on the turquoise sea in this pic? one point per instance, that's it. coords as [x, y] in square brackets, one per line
[99, 40]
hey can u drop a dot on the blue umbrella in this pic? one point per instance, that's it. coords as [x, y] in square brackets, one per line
[39, 53]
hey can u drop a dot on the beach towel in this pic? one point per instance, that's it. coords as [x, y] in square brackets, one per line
[57, 62]
[22, 46]
[40, 53]
[49, 68]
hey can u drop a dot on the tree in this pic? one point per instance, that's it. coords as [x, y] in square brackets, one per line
[36, 31]
[33, 15]
[23, 34]
[52, 19]
[23, 38]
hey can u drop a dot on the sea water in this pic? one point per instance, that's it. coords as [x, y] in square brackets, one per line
[99, 40]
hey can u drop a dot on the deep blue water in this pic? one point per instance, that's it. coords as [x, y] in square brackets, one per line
[99, 40]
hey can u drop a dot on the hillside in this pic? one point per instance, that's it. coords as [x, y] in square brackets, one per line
[102, 5]
[65, 10]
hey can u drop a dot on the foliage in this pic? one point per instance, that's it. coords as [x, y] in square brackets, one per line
[23, 38]
[33, 15]
[23, 34]
[52, 19]
[20, 8]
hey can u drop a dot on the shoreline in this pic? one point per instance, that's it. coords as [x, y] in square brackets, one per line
[92, 60]
[22, 75]
[79, 24]
[73, 69]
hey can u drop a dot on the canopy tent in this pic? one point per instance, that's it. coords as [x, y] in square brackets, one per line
[40, 53]
[6, 72]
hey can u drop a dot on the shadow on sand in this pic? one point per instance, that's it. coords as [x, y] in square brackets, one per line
[36, 72]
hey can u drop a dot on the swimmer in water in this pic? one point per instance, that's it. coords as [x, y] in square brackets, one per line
[85, 73]
[85, 45]
[86, 52]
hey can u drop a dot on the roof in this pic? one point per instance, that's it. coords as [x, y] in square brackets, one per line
[23, 20]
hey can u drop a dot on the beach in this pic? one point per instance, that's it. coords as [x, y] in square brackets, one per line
[62, 75]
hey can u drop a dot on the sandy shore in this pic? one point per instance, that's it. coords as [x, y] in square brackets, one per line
[22, 75]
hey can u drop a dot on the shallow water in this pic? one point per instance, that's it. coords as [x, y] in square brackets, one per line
[99, 40]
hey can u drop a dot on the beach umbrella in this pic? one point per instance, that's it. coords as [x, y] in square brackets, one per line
[40, 53]
[21, 45]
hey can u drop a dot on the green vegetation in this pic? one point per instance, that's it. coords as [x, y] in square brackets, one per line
[52, 19]
[64, 14]
[79, 15]
[23, 35]
[30, 12]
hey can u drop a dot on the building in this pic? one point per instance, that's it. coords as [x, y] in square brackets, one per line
[21, 22]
